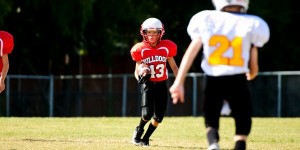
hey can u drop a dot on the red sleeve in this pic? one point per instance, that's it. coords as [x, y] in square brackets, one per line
[136, 53]
[6, 42]
[172, 47]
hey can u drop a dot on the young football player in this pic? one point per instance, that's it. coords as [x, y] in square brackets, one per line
[6, 47]
[152, 54]
[230, 40]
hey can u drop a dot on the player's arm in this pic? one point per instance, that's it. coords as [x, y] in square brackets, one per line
[253, 64]
[136, 71]
[4, 71]
[173, 65]
[177, 90]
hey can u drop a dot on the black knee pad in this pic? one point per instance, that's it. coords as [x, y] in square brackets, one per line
[212, 121]
[146, 114]
[243, 125]
[158, 119]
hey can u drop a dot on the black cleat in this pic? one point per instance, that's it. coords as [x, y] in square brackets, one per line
[137, 134]
[144, 142]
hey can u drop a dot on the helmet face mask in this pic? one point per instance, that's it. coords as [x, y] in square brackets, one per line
[145, 31]
[152, 24]
[220, 4]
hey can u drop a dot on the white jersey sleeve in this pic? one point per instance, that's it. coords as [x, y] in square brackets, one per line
[227, 39]
[260, 33]
[197, 25]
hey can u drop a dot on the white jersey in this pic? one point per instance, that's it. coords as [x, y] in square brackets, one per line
[227, 39]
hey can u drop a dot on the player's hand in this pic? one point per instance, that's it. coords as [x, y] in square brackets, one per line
[144, 78]
[2, 87]
[177, 93]
[250, 76]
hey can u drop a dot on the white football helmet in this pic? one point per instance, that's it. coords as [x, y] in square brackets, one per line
[220, 4]
[152, 23]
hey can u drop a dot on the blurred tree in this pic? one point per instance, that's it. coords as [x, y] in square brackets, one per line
[52, 36]
[115, 28]
[6, 8]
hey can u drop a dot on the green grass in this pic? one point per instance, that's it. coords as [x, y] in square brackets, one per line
[114, 133]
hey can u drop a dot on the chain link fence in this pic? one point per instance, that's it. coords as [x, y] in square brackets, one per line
[274, 94]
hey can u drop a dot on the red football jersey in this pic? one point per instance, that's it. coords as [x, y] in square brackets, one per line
[6, 45]
[155, 57]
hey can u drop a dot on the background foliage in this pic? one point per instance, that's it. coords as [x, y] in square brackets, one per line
[95, 36]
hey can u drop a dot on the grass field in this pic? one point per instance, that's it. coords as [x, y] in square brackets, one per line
[114, 133]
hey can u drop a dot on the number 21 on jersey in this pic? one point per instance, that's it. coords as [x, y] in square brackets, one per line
[222, 44]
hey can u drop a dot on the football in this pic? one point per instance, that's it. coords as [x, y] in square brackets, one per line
[144, 69]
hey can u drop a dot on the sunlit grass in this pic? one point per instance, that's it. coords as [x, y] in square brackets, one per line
[109, 133]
